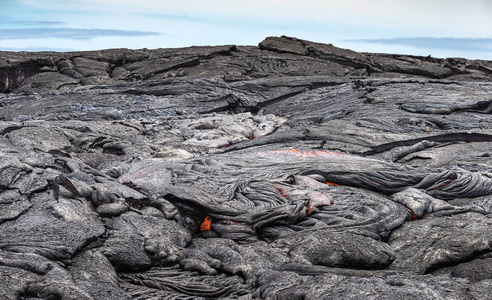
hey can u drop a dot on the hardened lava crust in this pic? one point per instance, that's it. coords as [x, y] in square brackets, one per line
[288, 170]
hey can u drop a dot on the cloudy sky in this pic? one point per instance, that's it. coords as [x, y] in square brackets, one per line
[441, 28]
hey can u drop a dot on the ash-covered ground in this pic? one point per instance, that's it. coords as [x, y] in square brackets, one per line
[292, 170]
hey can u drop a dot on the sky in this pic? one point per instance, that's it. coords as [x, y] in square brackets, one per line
[440, 28]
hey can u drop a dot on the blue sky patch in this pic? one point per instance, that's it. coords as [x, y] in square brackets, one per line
[460, 44]
[442, 28]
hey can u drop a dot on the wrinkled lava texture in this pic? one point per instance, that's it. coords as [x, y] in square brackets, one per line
[291, 170]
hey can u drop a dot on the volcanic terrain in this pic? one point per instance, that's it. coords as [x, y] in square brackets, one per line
[288, 170]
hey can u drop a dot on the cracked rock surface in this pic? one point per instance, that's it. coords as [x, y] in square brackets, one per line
[290, 170]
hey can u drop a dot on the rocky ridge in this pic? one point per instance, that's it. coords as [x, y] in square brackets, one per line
[291, 170]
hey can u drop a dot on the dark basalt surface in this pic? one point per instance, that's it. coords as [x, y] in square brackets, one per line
[292, 170]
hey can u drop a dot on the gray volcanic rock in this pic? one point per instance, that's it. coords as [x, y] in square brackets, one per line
[291, 170]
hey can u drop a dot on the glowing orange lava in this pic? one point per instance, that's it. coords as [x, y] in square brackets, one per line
[283, 192]
[440, 187]
[331, 183]
[309, 211]
[205, 224]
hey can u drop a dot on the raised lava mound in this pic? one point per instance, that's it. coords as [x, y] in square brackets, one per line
[292, 170]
